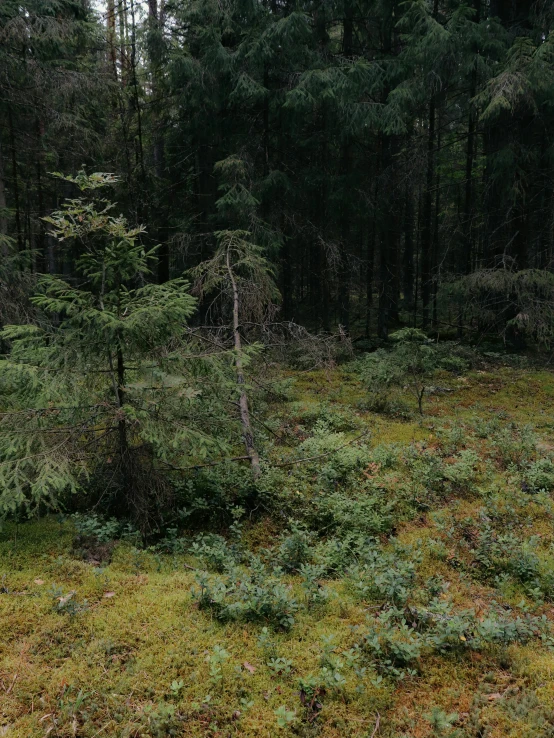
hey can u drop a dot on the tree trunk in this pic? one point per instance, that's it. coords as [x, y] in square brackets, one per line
[110, 23]
[15, 183]
[426, 233]
[435, 253]
[344, 266]
[121, 425]
[243, 398]
[370, 262]
[4, 250]
[408, 260]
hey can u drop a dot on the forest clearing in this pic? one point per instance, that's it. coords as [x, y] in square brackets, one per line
[276, 382]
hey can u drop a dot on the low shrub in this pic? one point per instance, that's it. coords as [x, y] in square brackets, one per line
[397, 638]
[384, 577]
[215, 552]
[257, 596]
[295, 548]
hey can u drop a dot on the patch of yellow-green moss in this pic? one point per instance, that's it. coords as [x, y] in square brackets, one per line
[97, 673]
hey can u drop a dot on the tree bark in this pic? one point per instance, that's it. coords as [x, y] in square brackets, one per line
[408, 260]
[110, 23]
[243, 398]
[344, 265]
[4, 250]
[426, 234]
[15, 183]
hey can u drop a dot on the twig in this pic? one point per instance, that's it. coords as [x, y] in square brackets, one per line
[211, 463]
[102, 729]
[9, 689]
[326, 453]
[376, 728]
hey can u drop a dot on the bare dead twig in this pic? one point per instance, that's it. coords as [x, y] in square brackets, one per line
[9, 689]
[377, 724]
[326, 453]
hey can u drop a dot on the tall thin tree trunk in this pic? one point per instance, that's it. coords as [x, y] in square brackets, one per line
[243, 398]
[121, 425]
[15, 183]
[435, 252]
[110, 22]
[122, 18]
[155, 40]
[408, 261]
[344, 266]
[140, 150]
[370, 263]
[4, 250]
[426, 233]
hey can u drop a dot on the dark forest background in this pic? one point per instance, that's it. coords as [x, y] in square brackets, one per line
[394, 160]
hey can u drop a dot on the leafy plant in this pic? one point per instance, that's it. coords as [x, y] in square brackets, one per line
[284, 717]
[214, 551]
[441, 722]
[249, 596]
[315, 593]
[216, 660]
[295, 549]
[162, 720]
[280, 667]
[384, 577]
[412, 361]
[67, 602]
[176, 687]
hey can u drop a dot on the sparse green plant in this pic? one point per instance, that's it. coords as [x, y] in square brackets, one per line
[284, 717]
[248, 596]
[441, 722]
[280, 667]
[412, 361]
[162, 720]
[539, 476]
[176, 687]
[214, 551]
[314, 591]
[384, 577]
[95, 526]
[67, 602]
[70, 706]
[295, 548]
[216, 660]
[514, 446]
[267, 644]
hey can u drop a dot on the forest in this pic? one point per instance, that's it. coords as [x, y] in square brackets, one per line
[276, 383]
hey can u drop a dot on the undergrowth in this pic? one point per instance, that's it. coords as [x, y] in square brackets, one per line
[387, 575]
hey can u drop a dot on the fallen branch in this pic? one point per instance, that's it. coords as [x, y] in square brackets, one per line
[285, 463]
[211, 463]
[326, 453]
[9, 689]
[377, 724]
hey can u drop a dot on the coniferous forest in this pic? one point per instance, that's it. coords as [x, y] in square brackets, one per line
[276, 390]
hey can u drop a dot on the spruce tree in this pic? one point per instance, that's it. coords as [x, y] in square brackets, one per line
[104, 389]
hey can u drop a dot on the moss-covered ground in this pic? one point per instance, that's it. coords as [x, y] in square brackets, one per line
[131, 652]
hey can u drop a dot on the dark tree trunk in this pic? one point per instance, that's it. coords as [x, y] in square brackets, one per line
[15, 178]
[408, 260]
[4, 250]
[344, 265]
[426, 231]
[370, 259]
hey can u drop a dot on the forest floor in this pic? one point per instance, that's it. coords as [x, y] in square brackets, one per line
[443, 629]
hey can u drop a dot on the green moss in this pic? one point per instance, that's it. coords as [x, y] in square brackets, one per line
[107, 670]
